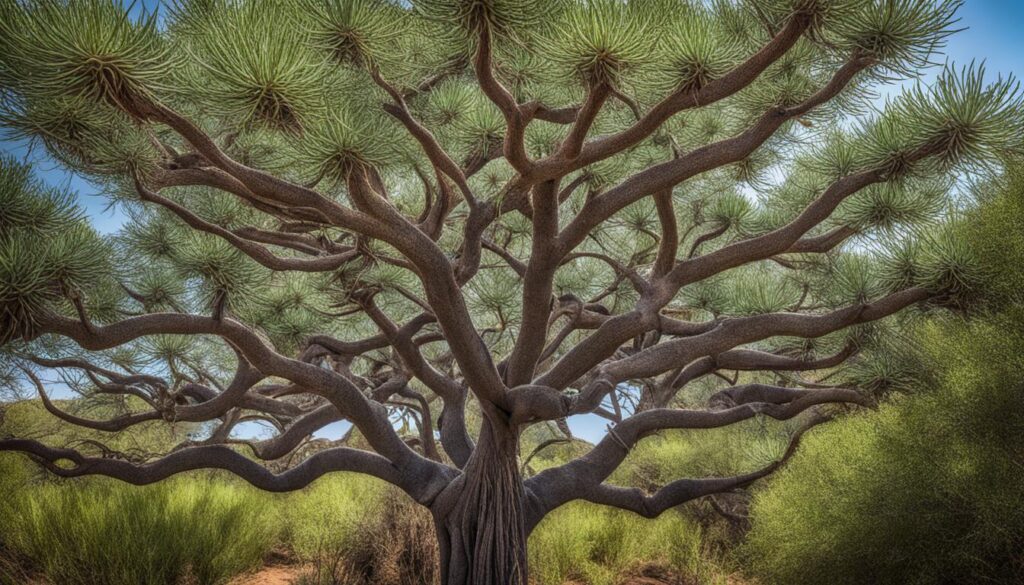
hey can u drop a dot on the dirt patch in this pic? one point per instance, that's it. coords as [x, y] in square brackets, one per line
[278, 575]
[644, 575]
[657, 581]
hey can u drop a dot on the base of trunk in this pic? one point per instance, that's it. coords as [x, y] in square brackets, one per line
[480, 526]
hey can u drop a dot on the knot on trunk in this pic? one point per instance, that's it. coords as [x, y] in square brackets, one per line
[532, 403]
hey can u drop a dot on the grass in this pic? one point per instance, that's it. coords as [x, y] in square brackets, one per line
[197, 529]
[598, 545]
[330, 514]
[205, 528]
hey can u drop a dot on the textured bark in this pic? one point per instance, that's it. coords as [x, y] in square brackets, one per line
[480, 517]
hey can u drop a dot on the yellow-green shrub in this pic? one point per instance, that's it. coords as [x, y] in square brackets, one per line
[597, 544]
[82, 532]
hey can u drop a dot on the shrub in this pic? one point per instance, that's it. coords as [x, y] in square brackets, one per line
[394, 546]
[197, 527]
[926, 491]
[331, 514]
[597, 545]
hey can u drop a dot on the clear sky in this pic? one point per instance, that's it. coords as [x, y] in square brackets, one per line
[994, 34]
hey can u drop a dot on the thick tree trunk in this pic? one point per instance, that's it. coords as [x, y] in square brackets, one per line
[480, 518]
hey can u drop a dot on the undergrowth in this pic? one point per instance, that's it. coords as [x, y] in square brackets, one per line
[198, 529]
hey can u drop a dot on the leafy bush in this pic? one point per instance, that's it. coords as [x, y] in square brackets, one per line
[331, 514]
[925, 491]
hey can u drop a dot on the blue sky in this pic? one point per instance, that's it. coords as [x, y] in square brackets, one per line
[993, 34]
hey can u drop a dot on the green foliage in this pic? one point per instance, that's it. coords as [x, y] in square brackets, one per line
[332, 513]
[253, 64]
[245, 71]
[356, 32]
[714, 452]
[224, 271]
[598, 545]
[890, 206]
[480, 126]
[501, 17]
[959, 120]
[992, 234]
[888, 369]
[854, 280]
[19, 209]
[126, 535]
[974, 124]
[950, 267]
[924, 491]
[899, 266]
[90, 49]
[920, 492]
[47, 253]
[900, 34]
[761, 290]
[346, 139]
[600, 41]
[698, 49]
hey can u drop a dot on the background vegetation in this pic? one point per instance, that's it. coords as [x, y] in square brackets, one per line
[923, 490]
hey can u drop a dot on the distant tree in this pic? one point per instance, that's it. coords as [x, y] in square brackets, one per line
[519, 209]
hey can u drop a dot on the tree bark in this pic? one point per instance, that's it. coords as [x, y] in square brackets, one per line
[480, 516]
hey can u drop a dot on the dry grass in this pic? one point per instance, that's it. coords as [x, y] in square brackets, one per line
[397, 547]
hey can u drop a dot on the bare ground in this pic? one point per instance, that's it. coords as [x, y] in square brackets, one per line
[275, 575]
[289, 574]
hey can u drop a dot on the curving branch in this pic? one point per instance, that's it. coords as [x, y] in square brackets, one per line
[669, 174]
[682, 491]
[258, 253]
[678, 101]
[71, 463]
[115, 424]
[741, 360]
[583, 477]
[371, 418]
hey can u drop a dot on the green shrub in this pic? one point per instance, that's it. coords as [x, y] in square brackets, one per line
[82, 532]
[332, 513]
[925, 491]
[597, 545]
[703, 453]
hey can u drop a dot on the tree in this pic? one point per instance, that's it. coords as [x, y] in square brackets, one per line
[479, 216]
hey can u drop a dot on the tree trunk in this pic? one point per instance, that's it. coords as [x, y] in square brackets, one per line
[480, 518]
